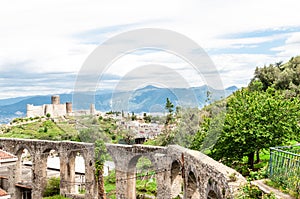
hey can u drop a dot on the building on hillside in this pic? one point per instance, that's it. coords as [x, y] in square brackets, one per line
[6, 160]
[4, 194]
[54, 109]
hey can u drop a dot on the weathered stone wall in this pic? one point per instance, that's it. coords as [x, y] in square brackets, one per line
[175, 166]
[39, 150]
[53, 109]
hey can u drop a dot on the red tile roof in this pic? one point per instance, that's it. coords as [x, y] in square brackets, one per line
[3, 193]
[5, 155]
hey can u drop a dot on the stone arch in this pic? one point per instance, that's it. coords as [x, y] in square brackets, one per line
[132, 171]
[192, 191]
[213, 191]
[26, 176]
[176, 178]
[133, 161]
[48, 151]
[20, 148]
[212, 195]
[71, 172]
[18, 153]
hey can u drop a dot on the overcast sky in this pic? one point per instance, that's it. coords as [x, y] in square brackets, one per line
[43, 44]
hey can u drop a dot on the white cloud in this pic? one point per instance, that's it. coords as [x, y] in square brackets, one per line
[48, 36]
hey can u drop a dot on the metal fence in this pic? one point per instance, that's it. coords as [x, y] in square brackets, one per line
[284, 161]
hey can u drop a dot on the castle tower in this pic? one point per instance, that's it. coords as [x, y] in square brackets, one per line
[92, 109]
[69, 107]
[55, 99]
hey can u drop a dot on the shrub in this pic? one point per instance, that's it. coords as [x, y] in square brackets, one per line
[56, 197]
[52, 187]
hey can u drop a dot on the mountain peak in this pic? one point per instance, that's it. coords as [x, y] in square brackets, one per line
[232, 88]
[149, 87]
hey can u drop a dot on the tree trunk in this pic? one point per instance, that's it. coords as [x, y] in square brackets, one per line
[257, 157]
[251, 160]
[101, 190]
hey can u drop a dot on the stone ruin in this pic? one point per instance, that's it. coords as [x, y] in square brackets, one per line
[175, 166]
[55, 109]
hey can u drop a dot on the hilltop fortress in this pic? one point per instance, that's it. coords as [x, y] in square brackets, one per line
[55, 109]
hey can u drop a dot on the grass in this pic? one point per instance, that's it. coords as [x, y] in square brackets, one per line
[56, 197]
[143, 187]
[44, 130]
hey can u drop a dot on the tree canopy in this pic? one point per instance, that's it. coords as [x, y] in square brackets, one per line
[256, 120]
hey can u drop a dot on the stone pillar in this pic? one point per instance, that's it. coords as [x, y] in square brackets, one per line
[163, 177]
[43, 172]
[131, 184]
[63, 158]
[71, 173]
[91, 190]
[38, 175]
[121, 184]
[12, 179]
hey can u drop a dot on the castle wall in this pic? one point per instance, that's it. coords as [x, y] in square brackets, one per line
[58, 110]
[33, 111]
[55, 109]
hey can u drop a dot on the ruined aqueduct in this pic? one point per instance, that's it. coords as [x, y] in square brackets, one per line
[201, 176]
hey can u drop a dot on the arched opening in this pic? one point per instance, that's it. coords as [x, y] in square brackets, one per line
[176, 180]
[141, 178]
[109, 174]
[76, 173]
[212, 189]
[23, 175]
[212, 195]
[192, 191]
[51, 172]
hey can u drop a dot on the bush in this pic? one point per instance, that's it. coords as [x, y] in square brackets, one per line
[56, 197]
[52, 188]
[253, 192]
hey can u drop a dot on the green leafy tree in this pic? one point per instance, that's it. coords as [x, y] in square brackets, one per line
[96, 135]
[255, 121]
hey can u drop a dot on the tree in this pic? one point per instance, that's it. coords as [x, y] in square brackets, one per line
[147, 118]
[254, 121]
[169, 107]
[97, 135]
[133, 116]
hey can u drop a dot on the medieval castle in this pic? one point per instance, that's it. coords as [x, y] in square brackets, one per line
[56, 109]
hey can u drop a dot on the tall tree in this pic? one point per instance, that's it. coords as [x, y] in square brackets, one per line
[170, 108]
[254, 121]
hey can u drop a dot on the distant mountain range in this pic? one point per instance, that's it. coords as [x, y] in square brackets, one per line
[148, 99]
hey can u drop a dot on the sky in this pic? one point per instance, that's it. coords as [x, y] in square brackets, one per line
[43, 44]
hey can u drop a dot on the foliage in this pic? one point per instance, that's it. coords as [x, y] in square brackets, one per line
[169, 107]
[287, 181]
[254, 121]
[147, 118]
[56, 197]
[252, 192]
[44, 130]
[279, 76]
[52, 187]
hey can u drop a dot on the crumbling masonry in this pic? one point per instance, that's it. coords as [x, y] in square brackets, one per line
[39, 151]
[175, 166]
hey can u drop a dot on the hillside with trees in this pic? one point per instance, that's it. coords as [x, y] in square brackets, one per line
[262, 115]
